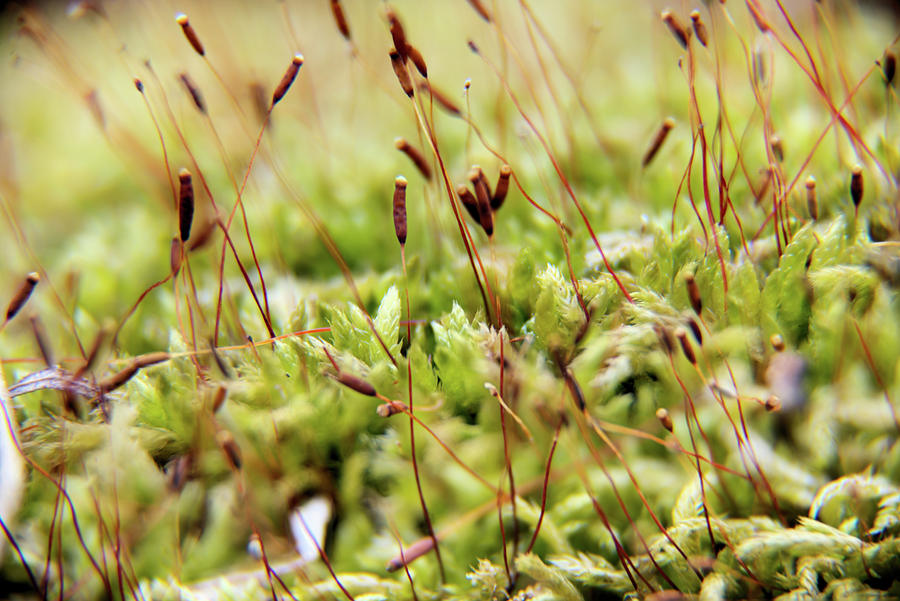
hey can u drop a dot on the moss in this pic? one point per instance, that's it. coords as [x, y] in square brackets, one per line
[559, 337]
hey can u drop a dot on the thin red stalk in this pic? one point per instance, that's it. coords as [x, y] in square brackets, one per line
[561, 227]
[750, 448]
[701, 133]
[871, 362]
[345, 270]
[559, 173]
[189, 275]
[508, 463]
[412, 586]
[412, 431]
[18, 550]
[848, 127]
[568, 74]
[448, 450]
[669, 445]
[239, 201]
[331, 247]
[797, 35]
[506, 454]
[193, 330]
[271, 574]
[137, 303]
[212, 200]
[551, 88]
[62, 491]
[117, 543]
[609, 443]
[503, 544]
[627, 563]
[839, 67]
[59, 563]
[469, 245]
[13, 221]
[537, 527]
[45, 579]
[162, 144]
[598, 459]
[689, 411]
[742, 441]
[686, 178]
[325, 560]
[825, 131]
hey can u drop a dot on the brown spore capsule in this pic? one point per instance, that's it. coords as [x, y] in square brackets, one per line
[400, 209]
[777, 146]
[400, 71]
[699, 28]
[230, 448]
[695, 330]
[675, 26]
[148, 359]
[176, 252]
[484, 182]
[179, 472]
[468, 201]
[441, 98]
[665, 338]
[758, 17]
[777, 342]
[219, 398]
[40, 337]
[661, 134]
[575, 390]
[415, 155]
[417, 59]
[189, 33]
[812, 205]
[117, 379]
[356, 383]
[485, 215]
[411, 553]
[693, 292]
[502, 188]
[481, 10]
[665, 419]
[22, 294]
[193, 91]
[390, 408]
[773, 403]
[856, 185]
[185, 204]
[397, 34]
[139, 85]
[219, 361]
[686, 347]
[287, 79]
[340, 18]
[889, 67]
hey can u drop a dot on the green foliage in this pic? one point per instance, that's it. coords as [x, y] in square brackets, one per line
[571, 328]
